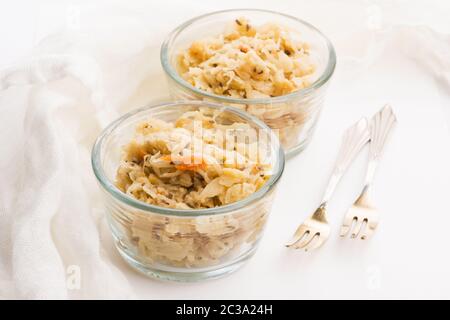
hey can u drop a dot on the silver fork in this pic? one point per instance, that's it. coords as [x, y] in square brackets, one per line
[315, 230]
[362, 218]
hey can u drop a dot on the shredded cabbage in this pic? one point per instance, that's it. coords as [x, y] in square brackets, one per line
[188, 165]
[248, 62]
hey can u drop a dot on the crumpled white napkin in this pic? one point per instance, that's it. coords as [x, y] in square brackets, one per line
[52, 108]
[53, 242]
[47, 221]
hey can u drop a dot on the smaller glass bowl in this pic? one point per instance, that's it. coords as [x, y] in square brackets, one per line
[293, 116]
[174, 244]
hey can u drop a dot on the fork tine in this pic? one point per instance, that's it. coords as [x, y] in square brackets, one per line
[366, 234]
[369, 230]
[298, 235]
[302, 243]
[315, 243]
[358, 227]
[312, 243]
[346, 225]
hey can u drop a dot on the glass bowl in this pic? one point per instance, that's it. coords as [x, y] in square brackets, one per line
[293, 116]
[180, 244]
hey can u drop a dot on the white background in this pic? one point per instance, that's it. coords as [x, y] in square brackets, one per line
[387, 52]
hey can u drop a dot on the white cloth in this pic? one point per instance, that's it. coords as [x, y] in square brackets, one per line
[55, 102]
[52, 108]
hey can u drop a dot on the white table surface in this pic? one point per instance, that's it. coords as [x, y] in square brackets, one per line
[409, 255]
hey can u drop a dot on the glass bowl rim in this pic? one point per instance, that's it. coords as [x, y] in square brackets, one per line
[173, 74]
[110, 187]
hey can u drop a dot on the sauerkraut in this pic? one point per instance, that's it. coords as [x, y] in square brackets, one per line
[248, 62]
[195, 242]
[193, 163]
[257, 62]
[203, 159]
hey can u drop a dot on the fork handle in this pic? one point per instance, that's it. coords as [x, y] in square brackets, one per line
[381, 126]
[353, 140]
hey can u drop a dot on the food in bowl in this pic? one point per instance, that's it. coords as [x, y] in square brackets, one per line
[271, 65]
[253, 62]
[188, 187]
[248, 62]
[172, 165]
[162, 167]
